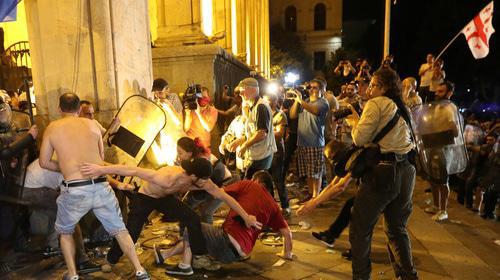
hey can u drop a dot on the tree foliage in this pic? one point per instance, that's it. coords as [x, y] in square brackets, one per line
[288, 54]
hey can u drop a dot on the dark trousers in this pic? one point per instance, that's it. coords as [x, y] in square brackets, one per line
[142, 205]
[342, 220]
[490, 201]
[279, 179]
[257, 165]
[396, 205]
[290, 147]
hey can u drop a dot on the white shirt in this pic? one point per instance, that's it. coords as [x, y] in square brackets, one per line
[38, 177]
[377, 113]
[425, 79]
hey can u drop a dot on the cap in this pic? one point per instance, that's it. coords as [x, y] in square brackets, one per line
[248, 82]
[199, 167]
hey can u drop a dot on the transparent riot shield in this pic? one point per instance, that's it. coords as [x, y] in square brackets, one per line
[163, 151]
[473, 135]
[439, 134]
[134, 129]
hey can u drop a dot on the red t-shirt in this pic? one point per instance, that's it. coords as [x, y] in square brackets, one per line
[257, 201]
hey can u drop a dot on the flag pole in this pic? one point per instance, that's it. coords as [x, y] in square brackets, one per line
[451, 42]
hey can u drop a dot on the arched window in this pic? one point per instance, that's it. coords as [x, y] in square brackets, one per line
[320, 17]
[291, 18]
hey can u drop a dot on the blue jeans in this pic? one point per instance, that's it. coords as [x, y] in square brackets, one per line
[207, 203]
[74, 202]
[257, 165]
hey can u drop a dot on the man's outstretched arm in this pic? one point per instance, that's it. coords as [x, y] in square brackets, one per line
[95, 170]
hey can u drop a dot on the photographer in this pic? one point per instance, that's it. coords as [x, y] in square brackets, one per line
[385, 188]
[345, 70]
[311, 133]
[351, 99]
[200, 121]
[162, 94]
[389, 63]
[364, 70]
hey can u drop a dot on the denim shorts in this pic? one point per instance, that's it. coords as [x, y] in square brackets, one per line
[74, 202]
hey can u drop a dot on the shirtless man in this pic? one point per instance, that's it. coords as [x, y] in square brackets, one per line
[157, 192]
[75, 141]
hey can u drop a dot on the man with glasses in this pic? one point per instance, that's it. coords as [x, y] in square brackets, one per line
[87, 111]
[311, 134]
[158, 190]
[162, 95]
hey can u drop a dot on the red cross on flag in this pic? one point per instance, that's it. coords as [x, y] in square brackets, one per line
[478, 32]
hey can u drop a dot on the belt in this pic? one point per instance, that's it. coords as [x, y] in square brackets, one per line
[85, 182]
[393, 157]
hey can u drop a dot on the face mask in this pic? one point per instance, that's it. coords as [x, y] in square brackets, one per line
[204, 101]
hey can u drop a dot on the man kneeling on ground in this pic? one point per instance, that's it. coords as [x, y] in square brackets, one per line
[234, 241]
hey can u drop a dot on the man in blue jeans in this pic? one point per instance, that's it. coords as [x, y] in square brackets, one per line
[77, 140]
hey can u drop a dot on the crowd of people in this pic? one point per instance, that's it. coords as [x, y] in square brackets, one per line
[294, 134]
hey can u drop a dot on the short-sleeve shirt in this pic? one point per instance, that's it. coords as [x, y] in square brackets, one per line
[175, 101]
[263, 117]
[257, 201]
[311, 130]
[38, 177]
[425, 79]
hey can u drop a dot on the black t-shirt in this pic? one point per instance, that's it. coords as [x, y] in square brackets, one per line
[263, 117]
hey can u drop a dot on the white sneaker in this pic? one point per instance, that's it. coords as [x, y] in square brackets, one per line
[431, 209]
[440, 216]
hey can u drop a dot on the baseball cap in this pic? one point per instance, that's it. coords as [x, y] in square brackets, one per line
[248, 82]
[199, 167]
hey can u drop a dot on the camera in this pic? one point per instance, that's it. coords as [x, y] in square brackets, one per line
[191, 94]
[303, 89]
[344, 112]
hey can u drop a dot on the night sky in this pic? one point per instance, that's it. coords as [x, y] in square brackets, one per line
[419, 27]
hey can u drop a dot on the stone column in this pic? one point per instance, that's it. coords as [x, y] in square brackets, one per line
[97, 49]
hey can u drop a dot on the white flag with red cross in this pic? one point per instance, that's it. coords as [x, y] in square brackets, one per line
[478, 32]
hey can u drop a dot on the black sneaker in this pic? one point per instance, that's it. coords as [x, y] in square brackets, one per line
[88, 267]
[347, 254]
[176, 270]
[51, 252]
[324, 238]
[142, 275]
[158, 257]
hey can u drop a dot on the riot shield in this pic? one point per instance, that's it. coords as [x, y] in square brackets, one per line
[136, 125]
[163, 151]
[473, 135]
[439, 134]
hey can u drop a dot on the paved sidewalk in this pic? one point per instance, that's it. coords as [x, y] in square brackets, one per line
[462, 248]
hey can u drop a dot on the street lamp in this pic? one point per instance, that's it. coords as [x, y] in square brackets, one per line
[291, 78]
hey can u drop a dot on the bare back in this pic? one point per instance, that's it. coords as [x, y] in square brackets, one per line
[174, 180]
[75, 141]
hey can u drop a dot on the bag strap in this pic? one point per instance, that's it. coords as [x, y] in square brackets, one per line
[387, 128]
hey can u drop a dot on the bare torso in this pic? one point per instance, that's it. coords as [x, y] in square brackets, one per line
[174, 180]
[75, 141]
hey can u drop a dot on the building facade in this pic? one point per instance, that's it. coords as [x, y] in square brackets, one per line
[318, 24]
[106, 51]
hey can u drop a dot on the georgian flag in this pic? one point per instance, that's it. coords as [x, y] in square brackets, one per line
[478, 32]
